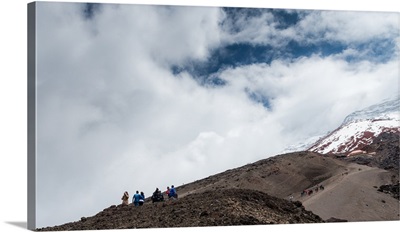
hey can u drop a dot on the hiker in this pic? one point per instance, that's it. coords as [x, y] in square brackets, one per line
[157, 196]
[141, 200]
[136, 198]
[125, 198]
[156, 192]
[304, 192]
[172, 193]
[167, 192]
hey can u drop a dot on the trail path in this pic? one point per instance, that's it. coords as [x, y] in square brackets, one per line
[346, 192]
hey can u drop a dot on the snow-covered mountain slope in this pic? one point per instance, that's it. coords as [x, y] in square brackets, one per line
[303, 145]
[387, 110]
[360, 128]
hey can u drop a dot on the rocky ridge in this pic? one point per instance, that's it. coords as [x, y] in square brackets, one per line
[226, 207]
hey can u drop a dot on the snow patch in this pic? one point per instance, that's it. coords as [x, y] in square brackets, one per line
[360, 128]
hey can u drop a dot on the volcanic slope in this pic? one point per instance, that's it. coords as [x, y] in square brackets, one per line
[264, 192]
[280, 176]
[352, 188]
[354, 196]
[212, 208]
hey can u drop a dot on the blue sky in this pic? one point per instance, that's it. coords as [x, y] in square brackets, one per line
[195, 89]
[232, 54]
[376, 49]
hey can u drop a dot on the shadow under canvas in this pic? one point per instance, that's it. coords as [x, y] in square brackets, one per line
[19, 224]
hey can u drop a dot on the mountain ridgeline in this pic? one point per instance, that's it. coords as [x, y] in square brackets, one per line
[360, 128]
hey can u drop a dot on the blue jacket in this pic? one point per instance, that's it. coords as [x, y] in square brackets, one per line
[137, 197]
[172, 192]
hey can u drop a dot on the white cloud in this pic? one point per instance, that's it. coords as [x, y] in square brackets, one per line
[174, 41]
[322, 89]
[245, 27]
[347, 27]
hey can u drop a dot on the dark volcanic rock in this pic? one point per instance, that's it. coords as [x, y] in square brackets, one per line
[392, 189]
[332, 219]
[387, 151]
[212, 208]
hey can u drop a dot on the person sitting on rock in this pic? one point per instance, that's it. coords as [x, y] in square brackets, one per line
[136, 198]
[125, 198]
[172, 193]
[157, 196]
[141, 200]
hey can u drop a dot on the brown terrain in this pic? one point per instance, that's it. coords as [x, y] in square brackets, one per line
[363, 187]
[217, 208]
